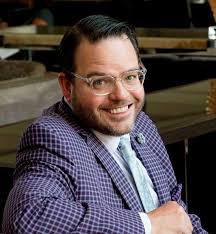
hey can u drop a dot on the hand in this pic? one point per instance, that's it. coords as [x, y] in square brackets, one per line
[170, 218]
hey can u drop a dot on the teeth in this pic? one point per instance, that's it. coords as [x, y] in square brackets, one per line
[119, 110]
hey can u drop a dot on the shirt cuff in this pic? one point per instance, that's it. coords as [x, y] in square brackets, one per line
[146, 222]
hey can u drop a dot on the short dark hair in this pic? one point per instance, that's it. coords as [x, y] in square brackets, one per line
[94, 28]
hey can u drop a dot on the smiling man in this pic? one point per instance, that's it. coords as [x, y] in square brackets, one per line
[94, 162]
[104, 103]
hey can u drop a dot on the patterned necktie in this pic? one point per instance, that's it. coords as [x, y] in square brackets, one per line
[137, 172]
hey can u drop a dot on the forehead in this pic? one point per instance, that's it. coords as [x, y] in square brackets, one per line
[112, 52]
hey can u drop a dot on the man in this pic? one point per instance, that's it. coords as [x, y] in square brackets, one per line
[71, 176]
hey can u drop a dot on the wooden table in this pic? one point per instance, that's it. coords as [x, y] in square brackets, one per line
[180, 112]
[148, 38]
[173, 38]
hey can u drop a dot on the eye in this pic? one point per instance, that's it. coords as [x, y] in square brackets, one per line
[130, 77]
[99, 83]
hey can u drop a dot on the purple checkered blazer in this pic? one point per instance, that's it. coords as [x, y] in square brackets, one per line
[67, 182]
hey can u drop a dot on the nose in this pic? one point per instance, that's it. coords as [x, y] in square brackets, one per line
[119, 92]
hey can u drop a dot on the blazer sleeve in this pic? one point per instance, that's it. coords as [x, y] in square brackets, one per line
[43, 199]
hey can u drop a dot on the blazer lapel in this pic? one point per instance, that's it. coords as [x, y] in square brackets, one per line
[115, 173]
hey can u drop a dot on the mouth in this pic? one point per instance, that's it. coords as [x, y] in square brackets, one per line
[119, 110]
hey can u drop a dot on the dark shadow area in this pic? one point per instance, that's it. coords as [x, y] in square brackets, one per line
[176, 154]
[200, 176]
[6, 182]
[202, 15]
[154, 13]
[201, 179]
[169, 70]
[68, 13]
[145, 13]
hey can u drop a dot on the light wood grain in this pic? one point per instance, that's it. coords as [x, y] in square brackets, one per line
[172, 43]
[31, 39]
[212, 4]
[148, 38]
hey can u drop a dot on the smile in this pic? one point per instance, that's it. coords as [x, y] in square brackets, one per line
[119, 110]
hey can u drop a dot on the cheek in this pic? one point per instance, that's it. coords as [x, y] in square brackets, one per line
[139, 95]
[94, 103]
[87, 99]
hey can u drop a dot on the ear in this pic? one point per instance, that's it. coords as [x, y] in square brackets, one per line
[66, 86]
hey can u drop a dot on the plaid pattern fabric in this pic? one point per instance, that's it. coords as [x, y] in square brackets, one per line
[67, 182]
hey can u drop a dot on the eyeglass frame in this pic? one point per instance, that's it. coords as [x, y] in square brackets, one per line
[89, 80]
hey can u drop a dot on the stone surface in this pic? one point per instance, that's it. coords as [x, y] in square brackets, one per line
[25, 90]
[15, 73]
[25, 102]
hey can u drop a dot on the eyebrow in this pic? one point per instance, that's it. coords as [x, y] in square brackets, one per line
[97, 73]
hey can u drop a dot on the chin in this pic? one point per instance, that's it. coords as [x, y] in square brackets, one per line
[121, 128]
[116, 130]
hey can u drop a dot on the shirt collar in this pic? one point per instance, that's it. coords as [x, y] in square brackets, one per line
[66, 101]
[110, 142]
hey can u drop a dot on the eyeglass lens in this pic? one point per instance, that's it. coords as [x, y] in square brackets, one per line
[131, 80]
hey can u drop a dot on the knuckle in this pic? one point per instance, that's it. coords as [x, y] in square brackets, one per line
[180, 209]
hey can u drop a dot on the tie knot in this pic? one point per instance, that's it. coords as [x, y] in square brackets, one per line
[124, 142]
[124, 147]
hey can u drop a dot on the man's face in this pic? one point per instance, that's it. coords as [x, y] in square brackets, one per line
[115, 113]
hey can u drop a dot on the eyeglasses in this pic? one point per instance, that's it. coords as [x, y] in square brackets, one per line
[104, 85]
